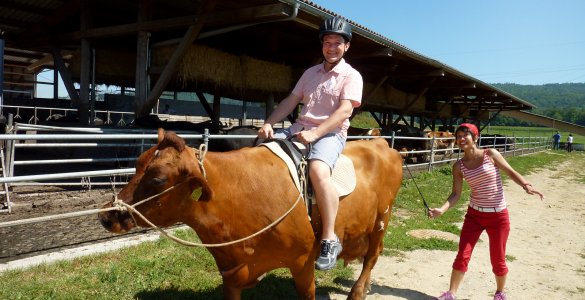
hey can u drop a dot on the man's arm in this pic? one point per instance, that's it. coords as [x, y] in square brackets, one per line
[334, 121]
[285, 107]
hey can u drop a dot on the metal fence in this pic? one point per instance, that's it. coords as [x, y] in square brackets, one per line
[108, 143]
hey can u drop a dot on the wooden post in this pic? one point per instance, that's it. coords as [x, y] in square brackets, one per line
[216, 108]
[84, 73]
[142, 49]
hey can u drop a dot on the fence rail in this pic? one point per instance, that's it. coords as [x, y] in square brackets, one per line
[67, 138]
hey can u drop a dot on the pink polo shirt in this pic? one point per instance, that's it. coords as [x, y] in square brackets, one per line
[322, 91]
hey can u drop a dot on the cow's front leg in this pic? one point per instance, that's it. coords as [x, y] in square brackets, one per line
[304, 277]
[231, 292]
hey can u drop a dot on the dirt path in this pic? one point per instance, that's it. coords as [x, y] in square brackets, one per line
[546, 247]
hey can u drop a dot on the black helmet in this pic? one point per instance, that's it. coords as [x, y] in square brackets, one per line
[336, 25]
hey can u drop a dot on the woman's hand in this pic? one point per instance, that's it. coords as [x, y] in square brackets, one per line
[532, 191]
[435, 212]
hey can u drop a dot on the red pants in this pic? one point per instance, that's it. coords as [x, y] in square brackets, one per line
[497, 226]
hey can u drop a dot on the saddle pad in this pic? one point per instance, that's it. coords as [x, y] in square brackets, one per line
[343, 176]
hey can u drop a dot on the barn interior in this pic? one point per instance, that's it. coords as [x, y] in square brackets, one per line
[253, 51]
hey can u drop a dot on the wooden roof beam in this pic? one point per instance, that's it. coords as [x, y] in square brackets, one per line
[21, 7]
[231, 17]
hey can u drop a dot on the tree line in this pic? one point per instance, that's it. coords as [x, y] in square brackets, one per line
[563, 101]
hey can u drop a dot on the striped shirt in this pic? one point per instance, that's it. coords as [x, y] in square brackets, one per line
[485, 183]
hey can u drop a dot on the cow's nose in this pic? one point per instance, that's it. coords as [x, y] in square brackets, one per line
[106, 223]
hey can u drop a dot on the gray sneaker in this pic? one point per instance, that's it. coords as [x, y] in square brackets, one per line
[328, 255]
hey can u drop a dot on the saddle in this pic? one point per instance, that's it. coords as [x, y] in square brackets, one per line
[293, 154]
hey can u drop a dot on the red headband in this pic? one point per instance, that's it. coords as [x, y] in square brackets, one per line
[471, 128]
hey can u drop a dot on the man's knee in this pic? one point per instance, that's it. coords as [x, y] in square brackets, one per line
[319, 171]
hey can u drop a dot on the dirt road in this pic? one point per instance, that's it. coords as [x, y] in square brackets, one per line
[546, 248]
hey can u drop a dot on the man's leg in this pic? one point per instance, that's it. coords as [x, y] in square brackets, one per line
[328, 202]
[327, 197]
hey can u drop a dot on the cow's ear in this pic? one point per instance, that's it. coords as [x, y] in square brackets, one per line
[200, 190]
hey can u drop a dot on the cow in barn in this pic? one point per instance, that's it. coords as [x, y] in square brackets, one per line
[245, 190]
[497, 141]
[355, 131]
[228, 144]
[407, 139]
[442, 142]
[214, 127]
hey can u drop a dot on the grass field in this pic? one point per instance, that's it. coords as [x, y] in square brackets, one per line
[166, 270]
[533, 131]
[364, 120]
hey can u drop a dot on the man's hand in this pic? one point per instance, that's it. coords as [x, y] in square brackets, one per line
[266, 131]
[307, 136]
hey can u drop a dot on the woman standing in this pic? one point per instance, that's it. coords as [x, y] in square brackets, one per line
[487, 208]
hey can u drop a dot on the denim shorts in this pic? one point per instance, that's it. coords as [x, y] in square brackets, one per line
[326, 149]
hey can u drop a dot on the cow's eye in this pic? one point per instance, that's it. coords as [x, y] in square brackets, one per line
[159, 180]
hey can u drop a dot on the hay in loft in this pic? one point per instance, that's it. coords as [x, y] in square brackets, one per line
[112, 66]
[204, 64]
[266, 76]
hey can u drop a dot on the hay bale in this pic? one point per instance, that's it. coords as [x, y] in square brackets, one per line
[224, 70]
[266, 76]
[112, 66]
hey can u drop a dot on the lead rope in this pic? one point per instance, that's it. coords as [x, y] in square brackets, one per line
[202, 151]
[133, 211]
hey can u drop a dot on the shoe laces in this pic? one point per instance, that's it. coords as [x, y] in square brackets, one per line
[326, 248]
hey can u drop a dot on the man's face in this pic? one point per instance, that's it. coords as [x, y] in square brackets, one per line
[334, 46]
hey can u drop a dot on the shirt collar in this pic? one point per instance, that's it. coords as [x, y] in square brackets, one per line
[339, 68]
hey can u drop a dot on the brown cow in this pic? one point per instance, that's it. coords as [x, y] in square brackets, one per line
[355, 131]
[246, 190]
[442, 140]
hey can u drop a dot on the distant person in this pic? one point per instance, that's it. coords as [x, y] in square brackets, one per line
[487, 209]
[168, 110]
[570, 143]
[556, 141]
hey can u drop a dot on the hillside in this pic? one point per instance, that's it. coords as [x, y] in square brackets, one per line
[565, 101]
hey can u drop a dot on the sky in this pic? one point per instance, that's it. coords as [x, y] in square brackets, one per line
[530, 42]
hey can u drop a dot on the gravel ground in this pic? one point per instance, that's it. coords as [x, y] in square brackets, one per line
[21, 241]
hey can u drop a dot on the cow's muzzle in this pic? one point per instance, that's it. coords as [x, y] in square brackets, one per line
[116, 221]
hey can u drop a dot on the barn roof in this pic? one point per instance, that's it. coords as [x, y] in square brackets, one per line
[250, 50]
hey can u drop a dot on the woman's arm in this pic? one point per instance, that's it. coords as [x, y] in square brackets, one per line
[501, 163]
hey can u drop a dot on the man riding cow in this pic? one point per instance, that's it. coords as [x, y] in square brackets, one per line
[329, 91]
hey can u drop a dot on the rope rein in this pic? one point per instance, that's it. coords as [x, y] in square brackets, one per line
[122, 206]
[133, 211]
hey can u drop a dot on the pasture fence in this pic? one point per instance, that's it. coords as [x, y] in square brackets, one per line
[120, 147]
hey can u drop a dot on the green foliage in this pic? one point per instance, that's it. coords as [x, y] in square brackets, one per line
[560, 101]
[364, 120]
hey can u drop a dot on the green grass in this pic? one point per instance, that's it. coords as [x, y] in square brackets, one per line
[154, 270]
[166, 270]
[533, 131]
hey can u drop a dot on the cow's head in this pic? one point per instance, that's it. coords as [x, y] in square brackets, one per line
[167, 172]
